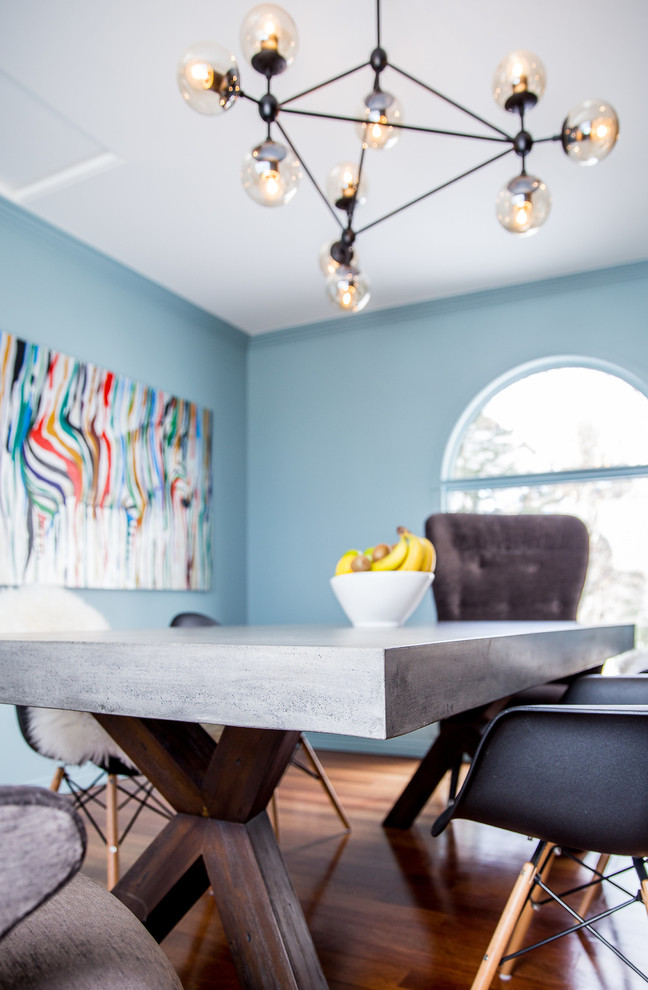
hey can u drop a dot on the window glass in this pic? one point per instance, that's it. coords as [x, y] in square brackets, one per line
[558, 423]
[556, 420]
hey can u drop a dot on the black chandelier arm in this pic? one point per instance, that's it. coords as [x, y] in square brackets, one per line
[447, 99]
[327, 82]
[444, 185]
[402, 127]
[355, 195]
[310, 175]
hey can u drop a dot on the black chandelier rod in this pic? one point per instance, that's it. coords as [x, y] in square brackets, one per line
[446, 99]
[444, 185]
[355, 195]
[310, 176]
[313, 89]
[403, 127]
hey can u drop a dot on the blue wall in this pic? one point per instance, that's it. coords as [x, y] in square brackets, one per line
[57, 292]
[348, 421]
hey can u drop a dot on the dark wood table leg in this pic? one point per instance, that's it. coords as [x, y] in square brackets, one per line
[221, 835]
[456, 737]
[267, 932]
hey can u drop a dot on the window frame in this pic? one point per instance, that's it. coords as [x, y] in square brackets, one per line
[450, 484]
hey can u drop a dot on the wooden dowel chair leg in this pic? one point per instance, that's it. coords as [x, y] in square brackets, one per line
[640, 867]
[590, 893]
[112, 832]
[505, 926]
[274, 813]
[324, 780]
[59, 774]
[524, 920]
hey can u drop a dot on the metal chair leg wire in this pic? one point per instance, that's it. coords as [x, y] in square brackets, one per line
[142, 794]
[598, 878]
[107, 793]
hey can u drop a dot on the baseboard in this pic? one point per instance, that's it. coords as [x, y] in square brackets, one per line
[413, 744]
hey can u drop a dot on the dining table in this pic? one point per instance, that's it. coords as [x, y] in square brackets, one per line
[154, 689]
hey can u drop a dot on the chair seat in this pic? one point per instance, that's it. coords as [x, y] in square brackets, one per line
[64, 945]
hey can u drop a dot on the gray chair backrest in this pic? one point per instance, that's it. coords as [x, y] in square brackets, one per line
[499, 567]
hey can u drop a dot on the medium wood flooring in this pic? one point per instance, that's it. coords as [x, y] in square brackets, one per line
[391, 909]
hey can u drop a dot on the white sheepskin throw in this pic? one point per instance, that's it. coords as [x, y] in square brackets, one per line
[632, 662]
[65, 736]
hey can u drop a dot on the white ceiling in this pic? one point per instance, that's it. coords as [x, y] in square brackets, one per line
[96, 140]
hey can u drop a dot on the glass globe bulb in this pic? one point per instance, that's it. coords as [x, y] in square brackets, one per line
[519, 81]
[271, 174]
[327, 262]
[348, 288]
[269, 39]
[523, 204]
[590, 132]
[208, 77]
[380, 110]
[342, 185]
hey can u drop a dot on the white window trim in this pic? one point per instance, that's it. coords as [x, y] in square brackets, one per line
[450, 484]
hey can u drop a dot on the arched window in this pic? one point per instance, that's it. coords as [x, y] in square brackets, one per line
[572, 439]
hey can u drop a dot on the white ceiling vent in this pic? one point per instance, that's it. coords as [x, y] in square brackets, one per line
[40, 150]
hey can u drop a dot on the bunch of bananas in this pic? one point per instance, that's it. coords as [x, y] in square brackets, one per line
[409, 553]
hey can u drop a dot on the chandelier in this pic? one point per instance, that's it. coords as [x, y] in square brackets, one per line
[209, 80]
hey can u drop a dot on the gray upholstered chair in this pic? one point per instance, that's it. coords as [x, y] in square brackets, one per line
[494, 567]
[58, 929]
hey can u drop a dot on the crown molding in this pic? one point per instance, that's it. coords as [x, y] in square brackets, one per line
[520, 292]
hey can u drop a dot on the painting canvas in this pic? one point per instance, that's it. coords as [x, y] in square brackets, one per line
[104, 482]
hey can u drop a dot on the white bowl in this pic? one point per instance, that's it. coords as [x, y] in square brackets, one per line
[380, 599]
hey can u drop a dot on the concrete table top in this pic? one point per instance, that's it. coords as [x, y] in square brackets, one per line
[376, 683]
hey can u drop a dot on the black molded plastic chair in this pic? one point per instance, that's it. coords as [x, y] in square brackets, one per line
[594, 689]
[572, 777]
[494, 567]
[315, 770]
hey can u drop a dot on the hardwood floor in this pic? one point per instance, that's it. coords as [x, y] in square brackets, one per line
[392, 909]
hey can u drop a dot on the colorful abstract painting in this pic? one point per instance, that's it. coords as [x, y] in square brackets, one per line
[104, 482]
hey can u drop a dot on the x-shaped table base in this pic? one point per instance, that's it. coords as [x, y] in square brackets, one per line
[221, 836]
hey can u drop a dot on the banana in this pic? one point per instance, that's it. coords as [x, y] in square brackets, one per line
[410, 553]
[392, 560]
[415, 554]
[429, 561]
[343, 565]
